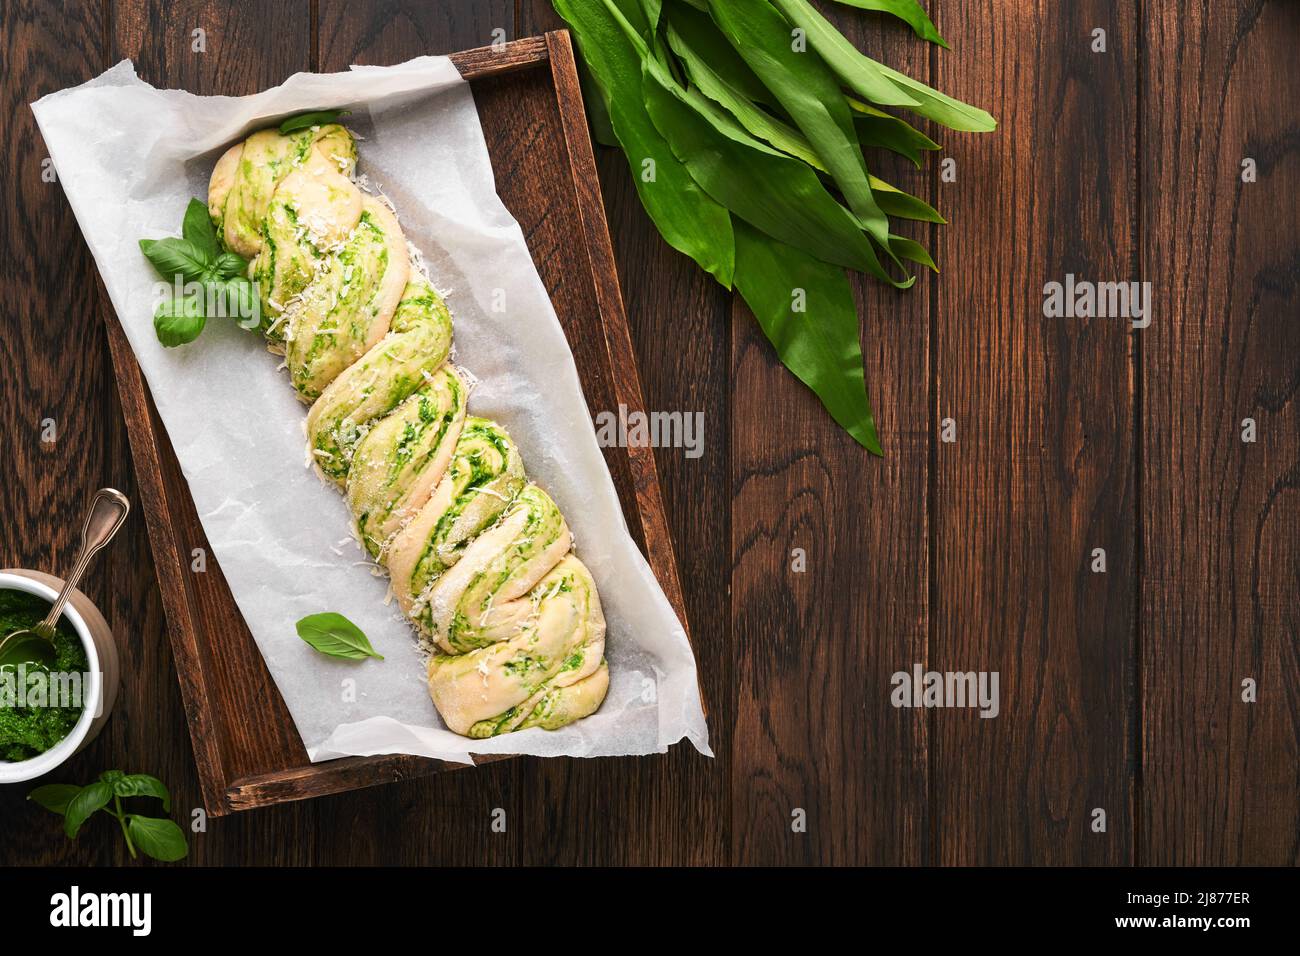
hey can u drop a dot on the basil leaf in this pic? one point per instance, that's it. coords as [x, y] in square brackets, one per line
[179, 321]
[687, 218]
[161, 839]
[909, 11]
[228, 265]
[820, 345]
[85, 804]
[54, 797]
[235, 298]
[307, 120]
[143, 785]
[810, 93]
[176, 257]
[335, 635]
[198, 230]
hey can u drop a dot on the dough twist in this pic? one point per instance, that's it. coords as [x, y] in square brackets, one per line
[481, 559]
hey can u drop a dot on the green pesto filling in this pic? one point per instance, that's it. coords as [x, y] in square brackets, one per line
[29, 731]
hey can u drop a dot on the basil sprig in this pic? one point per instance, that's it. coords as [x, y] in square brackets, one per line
[156, 837]
[307, 120]
[334, 635]
[197, 258]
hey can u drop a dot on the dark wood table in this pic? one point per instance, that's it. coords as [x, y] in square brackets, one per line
[1120, 691]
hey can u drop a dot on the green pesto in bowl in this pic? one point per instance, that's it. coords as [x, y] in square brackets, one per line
[27, 729]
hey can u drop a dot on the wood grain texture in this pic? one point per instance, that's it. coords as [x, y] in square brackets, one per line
[1221, 517]
[206, 45]
[394, 30]
[1122, 165]
[815, 649]
[1042, 469]
[58, 384]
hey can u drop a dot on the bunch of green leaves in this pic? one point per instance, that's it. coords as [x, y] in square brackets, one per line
[197, 257]
[156, 837]
[744, 123]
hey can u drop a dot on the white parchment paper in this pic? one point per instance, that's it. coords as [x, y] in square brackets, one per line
[130, 157]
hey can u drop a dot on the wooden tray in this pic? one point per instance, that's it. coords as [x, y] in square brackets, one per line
[245, 745]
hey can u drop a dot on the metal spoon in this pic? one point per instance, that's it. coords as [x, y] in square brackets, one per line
[35, 645]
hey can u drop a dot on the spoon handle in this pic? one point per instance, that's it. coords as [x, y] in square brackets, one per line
[108, 510]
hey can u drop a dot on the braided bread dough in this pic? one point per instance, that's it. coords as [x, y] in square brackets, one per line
[481, 559]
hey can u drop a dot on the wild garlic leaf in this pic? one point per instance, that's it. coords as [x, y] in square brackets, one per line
[820, 342]
[810, 93]
[776, 193]
[858, 72]
[941, 108]
[909, 11]
[334, 635]
[687, 218]
[758, 121]
[903, 205]
[734, 142]
[861, 73]
[695, 29]
[911, 250]
[314, 118]
[878, 128]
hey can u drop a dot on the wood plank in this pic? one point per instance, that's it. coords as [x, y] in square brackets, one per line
[1221, 517]
[391, 32]
[54, 352]
[815, 650]
[1042, 469]
[206, 46]
[509, 57]
[671, 808]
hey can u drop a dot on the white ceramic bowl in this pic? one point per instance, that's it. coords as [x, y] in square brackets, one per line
[93, 696]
